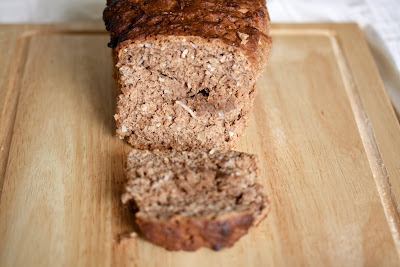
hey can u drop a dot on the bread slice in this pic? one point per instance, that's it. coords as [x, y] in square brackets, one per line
[186, 70]
[187, 200]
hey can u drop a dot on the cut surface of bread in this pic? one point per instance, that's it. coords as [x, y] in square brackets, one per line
[183, 93]
[187, 200]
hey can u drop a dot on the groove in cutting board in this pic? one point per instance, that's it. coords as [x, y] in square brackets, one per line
[15, 77]
[368, 137]
[367, 134]
[9, 111]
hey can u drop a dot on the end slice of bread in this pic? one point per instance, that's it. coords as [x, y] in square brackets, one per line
[187, 200]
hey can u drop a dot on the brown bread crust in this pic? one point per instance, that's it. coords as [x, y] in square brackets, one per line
[240, 23]
[224, 19]
[182, 233]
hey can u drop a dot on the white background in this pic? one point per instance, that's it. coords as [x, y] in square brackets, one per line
[379, 19]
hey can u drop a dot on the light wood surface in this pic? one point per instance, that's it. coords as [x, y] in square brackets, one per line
[326, 134]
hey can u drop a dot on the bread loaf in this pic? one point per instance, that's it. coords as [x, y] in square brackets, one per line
[187, 200]
[186, 70]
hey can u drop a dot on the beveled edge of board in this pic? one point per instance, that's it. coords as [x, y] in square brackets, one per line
[365, 128]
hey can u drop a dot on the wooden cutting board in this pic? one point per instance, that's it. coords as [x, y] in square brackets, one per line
[324, 128]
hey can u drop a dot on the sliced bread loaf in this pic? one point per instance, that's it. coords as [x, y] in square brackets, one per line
[188, 200]
[186, 70]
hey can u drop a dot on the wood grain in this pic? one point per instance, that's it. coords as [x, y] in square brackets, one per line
[61, 170]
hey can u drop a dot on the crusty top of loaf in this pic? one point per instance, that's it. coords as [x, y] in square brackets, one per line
[239, 23]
